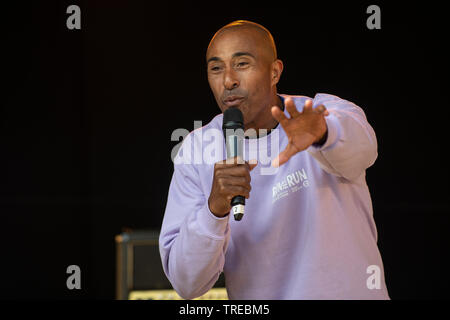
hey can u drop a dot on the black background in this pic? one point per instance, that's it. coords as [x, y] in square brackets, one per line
[87, 115]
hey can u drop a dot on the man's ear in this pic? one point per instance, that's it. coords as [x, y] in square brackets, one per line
[277, 69]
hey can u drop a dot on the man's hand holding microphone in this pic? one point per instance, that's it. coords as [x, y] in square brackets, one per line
[231, 178]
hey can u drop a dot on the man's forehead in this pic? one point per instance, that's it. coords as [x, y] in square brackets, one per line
[234, 40]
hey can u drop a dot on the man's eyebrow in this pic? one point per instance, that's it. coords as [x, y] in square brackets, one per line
[213, 59]
[236, 54]
[239, 54]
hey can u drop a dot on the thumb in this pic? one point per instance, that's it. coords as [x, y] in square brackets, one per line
[284, 156]
[252, 164]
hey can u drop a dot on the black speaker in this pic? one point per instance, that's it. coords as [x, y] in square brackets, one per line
[139, 271]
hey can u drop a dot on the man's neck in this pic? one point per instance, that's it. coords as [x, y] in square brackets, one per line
[268, 122]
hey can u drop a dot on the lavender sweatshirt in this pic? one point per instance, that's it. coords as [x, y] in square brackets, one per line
[308, 231]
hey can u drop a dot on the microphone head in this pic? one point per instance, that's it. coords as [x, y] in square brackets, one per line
[233, 119]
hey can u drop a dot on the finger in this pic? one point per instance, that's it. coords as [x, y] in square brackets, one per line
[320, 109]
[279, 115]
[237, 191]
[308, 106]
[235, 181]
[235, 171]
[230, 162]
[284, 156]
[291, 108]
[235, 160]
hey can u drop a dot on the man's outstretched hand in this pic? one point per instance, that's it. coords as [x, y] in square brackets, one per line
[302, 129]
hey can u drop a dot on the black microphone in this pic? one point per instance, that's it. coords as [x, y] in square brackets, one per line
[233, 131]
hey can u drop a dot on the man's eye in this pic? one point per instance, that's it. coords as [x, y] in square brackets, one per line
[242, 64]
[215, 68]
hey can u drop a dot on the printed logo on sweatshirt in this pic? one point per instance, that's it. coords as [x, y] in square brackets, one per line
[290, 184]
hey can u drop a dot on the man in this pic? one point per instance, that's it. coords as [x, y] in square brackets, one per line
[308, 230]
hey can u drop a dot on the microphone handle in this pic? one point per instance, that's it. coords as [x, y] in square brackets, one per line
[234, 148]
[238, 206]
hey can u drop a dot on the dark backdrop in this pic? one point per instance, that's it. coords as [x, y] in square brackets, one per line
[87, 115]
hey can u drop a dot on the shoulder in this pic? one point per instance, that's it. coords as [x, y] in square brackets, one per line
[322, 98]
[328, 100]
[332, 102]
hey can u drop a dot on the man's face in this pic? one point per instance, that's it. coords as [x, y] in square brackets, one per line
[239, 71]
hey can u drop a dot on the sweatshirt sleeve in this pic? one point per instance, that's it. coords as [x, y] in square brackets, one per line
[351, 145]
[193, 241]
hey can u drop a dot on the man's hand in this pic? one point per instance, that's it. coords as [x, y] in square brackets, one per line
[231, 178]
[302, 129]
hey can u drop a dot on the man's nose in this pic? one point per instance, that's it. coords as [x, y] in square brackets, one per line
[230, 80]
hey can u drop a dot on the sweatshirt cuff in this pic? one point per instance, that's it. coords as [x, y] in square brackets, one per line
[211, 225]
[333, 133]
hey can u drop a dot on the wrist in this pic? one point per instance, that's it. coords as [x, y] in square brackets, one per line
[211, 225]
[216, 212]
[321, 141]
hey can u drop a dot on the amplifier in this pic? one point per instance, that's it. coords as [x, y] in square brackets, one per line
[139, 272]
